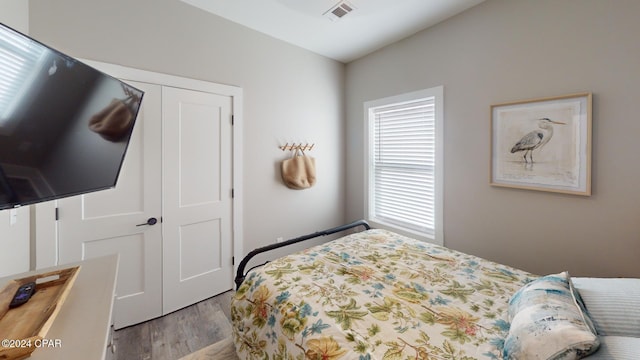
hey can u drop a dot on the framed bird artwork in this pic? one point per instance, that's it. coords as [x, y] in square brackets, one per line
[543, 144]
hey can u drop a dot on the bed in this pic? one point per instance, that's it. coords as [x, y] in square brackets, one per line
[374, 294]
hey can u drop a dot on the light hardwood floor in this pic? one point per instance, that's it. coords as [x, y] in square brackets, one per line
[177, 334]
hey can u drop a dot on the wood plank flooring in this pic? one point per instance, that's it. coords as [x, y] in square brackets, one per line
[177, 334]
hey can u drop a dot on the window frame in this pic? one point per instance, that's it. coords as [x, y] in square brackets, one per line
[369, 121]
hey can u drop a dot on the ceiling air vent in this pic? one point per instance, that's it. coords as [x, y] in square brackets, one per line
[339, 10]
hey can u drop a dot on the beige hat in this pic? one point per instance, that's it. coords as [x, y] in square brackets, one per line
[299, 172]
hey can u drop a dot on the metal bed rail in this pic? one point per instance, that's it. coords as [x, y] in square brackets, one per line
[240, 274]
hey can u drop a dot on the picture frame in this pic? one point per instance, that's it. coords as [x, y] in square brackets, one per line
[543, 144]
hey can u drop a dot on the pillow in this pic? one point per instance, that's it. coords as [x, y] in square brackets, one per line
[547, 322]
[617, 347]
[612, 304]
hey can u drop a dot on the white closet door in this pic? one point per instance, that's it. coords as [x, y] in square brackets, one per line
[105, 222]
[14, 229]
[197, 202]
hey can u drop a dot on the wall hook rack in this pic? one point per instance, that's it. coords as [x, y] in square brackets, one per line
[301, 147]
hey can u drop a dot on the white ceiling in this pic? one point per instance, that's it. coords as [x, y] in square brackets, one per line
[373, 24]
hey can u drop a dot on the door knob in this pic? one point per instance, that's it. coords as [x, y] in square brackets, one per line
[150, 221]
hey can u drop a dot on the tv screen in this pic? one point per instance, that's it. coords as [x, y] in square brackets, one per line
[64, 126]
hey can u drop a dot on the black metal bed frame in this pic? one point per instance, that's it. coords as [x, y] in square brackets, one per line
[240, 274]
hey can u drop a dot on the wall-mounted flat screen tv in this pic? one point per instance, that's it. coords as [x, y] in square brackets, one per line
[64, 126]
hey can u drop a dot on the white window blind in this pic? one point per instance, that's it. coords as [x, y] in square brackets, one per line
[403, 186]
[404, 147]
[18, 55]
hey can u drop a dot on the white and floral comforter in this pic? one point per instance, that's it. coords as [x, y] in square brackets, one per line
[375, 295]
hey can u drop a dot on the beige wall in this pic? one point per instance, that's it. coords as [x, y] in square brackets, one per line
[15, 13]
[290, 94]
[504, 50]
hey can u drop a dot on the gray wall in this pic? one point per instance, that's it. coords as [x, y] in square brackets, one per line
[290, 94]
[508, 50]
[15, 235]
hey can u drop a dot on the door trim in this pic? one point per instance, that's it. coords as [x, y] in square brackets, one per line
[45, 225]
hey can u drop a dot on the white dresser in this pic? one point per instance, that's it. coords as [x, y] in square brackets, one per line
[82, 328]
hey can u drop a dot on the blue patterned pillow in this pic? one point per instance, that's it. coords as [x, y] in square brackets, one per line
[549, 322]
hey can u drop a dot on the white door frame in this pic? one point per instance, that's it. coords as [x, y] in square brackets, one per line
[45, 225]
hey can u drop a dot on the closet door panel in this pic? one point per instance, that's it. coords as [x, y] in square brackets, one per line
[106, 222]
[197, 199]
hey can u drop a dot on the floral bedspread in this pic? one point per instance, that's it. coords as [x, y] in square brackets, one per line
[375, 295]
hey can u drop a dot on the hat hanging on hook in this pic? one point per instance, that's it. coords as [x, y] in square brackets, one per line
[299, 171]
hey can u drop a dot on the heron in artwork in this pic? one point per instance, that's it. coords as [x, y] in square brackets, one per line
[536, 138]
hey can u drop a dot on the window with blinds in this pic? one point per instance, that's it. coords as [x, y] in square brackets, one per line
[17, 56]
[403, 159]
